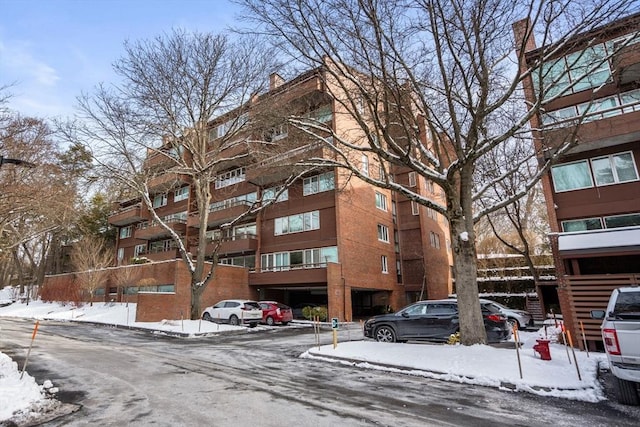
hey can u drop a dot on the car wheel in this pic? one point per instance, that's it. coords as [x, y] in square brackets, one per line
[206, 316]
[270, 321]
[233, 320]
[385, 334]
[627, 392]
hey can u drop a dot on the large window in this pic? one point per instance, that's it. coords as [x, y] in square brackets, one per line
[597, 223]
[606, 170]
[126, 232]
[159, 200]
[318, 183]
[614, 169]
[304, 258]
[575, 72]
[230, 177]
[270, 193]
[297, 223]
[248, 261]
[571, 176]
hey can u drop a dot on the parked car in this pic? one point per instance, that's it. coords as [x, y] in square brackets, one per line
[621, 335]
[234, 312]
[275, 312]
[434, 320]
[520, 317]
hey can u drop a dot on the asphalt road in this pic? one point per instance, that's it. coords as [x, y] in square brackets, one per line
[117, 377]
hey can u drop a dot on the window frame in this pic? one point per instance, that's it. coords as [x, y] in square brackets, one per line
[381, 201]
[383, 233]
[384, 264]
[181, 193]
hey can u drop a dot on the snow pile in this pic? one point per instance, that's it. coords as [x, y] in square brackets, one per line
[20, 397]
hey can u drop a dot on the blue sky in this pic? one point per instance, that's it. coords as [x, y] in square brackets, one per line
[55, 49]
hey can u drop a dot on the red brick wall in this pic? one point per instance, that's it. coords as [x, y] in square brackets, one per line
[228, 282]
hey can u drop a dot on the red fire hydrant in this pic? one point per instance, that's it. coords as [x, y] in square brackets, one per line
[542, 347]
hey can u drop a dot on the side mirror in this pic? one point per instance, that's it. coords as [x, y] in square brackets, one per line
[597, 314]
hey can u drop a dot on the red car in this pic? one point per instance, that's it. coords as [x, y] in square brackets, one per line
[275, 312]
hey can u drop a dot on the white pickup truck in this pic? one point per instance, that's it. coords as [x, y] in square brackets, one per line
[621, 335]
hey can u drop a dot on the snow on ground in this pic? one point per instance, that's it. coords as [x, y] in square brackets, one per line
[479, 364]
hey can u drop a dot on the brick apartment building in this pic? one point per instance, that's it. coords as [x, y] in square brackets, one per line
[593, 194]
[358, 248]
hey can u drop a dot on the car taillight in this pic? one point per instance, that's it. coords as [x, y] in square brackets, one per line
[495, 318]
[278, 311]
[611, 341]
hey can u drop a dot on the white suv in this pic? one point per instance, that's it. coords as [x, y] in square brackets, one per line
[621, 335]
[234, 312]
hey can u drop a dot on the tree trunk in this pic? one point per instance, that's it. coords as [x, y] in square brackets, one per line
[465, 266]
[196, 292]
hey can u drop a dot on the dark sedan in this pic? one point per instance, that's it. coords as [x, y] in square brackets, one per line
[433, 320]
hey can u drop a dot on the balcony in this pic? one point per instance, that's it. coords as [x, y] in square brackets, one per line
[238, 244]
[151, 230]
[158, 161]
[278, 167]
[314, 275]
[126, 216]
[626, 65]
[601, 242]
[222, 215]
[601, 133]
[167, 181]
[160, 255]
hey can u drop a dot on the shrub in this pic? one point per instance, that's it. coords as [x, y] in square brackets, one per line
[312, 312]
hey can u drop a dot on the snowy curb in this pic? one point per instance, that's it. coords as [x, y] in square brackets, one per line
[566, 393]
[176, 334]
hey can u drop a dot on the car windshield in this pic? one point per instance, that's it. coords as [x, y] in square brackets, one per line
[284, 307]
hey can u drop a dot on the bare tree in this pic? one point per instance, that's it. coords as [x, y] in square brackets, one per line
[124, 277]
[432, 86]
[90, 257]
[158, 123]
[521, 226]
[37, 200]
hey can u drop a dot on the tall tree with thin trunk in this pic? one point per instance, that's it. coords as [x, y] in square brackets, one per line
[90, 257]
[432, 86]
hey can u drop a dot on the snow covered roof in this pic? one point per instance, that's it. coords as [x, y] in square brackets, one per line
[599, 241]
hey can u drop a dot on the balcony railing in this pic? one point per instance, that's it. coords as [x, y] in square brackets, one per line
[308, 275]
[279, 166]
[221, 214]
[126, 216]
[167, 181]
[149, 230]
